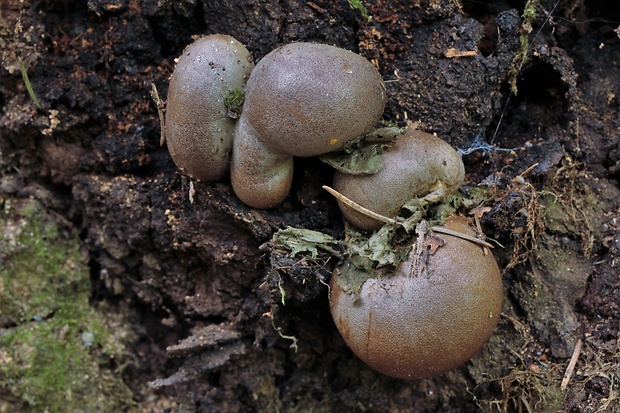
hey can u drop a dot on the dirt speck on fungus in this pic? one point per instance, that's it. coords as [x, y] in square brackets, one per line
[220, 319]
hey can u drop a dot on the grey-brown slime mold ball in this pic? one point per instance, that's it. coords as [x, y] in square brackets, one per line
[198, 129]
[427, 317]
[418, 163]
[302, 99]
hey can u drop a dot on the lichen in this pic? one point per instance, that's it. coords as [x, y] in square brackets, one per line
[52, 342]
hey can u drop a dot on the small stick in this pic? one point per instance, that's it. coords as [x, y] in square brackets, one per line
[477, 214]
[528, 170]
[527, 405]
[571, 365]
[160, 112]
[452, 52]
[519, 178]
[358, 207]
[475, 240]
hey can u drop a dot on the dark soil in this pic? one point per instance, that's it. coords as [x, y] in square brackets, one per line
[227, 322]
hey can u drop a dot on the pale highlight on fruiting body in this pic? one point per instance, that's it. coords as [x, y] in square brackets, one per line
[302, 99]
[430, 316]
[416, 164]
[199, 131]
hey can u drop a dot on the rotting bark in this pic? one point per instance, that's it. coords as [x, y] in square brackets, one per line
[92, 156]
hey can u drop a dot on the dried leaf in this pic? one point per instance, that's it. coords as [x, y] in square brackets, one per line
[299, 240]
[433, 244]
[362, 156]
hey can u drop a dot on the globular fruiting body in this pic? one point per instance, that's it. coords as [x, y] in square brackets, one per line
[198, 129]
[305, 99]
[430, 316]
[415, 165]
[302, 99]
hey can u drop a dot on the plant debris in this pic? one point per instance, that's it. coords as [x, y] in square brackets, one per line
[205, 337]
[362, 156]
[385, 248]
[196, 366]
[299, 240]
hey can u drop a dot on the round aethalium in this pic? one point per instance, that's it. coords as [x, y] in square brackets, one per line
[198, 128]
[430, 316]
[302, 99]
[416, 164]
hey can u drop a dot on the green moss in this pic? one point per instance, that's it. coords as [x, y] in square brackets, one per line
[477, 194]
[234, 103]
[521, 57]
[359, 6]
[529, 11]
[52, 341]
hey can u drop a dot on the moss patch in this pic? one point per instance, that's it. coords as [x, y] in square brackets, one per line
[52, 342]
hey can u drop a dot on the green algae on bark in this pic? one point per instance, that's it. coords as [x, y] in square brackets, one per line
[52, 342]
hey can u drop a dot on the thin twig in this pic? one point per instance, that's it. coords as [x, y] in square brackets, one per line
[160, 112]
[528, 170]
[457, 234]
[571, 365]
[358, 207]
[527, 405]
